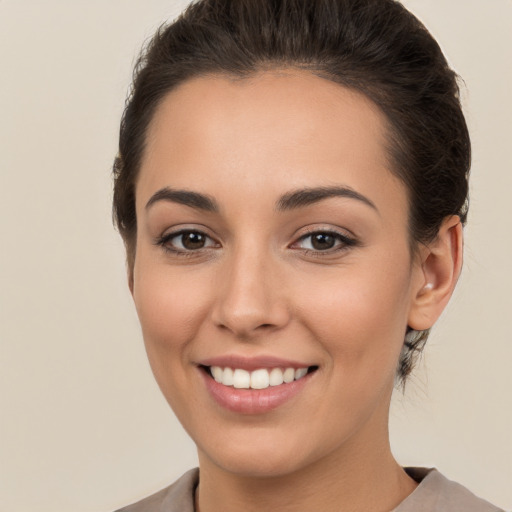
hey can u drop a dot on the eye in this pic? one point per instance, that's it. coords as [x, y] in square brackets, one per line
[324, 241]
[186, 241]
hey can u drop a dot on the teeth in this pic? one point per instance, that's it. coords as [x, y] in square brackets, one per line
[258, 379]
[300, 372]
[217, 373]
[276, 377]
[289, 375]
[227, 377]
[241, 379]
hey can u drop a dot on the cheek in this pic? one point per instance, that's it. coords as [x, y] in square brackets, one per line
[171, 305]
[359, 317]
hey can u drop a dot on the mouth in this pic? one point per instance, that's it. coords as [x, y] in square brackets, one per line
[254, 385]
[258, 379]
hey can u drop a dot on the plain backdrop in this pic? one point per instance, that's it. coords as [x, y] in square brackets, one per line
[83, 426]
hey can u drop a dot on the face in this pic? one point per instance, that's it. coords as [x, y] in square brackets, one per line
[273, 278]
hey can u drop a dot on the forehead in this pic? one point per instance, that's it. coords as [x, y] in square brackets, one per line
[270, 131]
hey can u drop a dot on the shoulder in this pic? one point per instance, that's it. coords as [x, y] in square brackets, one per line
[435, 493]
[178, 497]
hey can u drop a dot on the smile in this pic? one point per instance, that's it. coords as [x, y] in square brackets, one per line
[254, 386]
[261, 378]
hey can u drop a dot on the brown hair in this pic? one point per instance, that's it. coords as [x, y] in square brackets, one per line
[376, 47]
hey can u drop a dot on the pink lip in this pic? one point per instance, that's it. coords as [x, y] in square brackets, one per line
[253, 401]
[252, 363]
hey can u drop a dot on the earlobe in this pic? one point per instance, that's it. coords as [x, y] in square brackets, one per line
[440, 266]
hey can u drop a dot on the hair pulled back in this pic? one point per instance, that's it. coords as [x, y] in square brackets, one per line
[375, 47]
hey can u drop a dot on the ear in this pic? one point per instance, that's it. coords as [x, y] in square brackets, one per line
[440, 263]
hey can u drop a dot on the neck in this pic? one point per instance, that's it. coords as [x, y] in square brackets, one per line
[359, 477]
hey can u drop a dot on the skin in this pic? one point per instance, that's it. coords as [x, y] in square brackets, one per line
[256, 288]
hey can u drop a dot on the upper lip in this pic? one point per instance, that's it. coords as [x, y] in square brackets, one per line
[252, 363]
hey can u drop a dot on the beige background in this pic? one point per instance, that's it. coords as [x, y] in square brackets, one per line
[83, 426]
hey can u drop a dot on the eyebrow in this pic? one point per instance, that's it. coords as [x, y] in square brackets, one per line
[289, 201]
[185, 197]
[307, 196]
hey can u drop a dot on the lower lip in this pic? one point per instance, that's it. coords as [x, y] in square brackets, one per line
[253, 401]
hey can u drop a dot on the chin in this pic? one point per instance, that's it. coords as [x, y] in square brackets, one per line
[265, 453]
[263, 464]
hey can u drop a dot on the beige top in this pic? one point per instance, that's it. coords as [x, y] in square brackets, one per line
[435, 493]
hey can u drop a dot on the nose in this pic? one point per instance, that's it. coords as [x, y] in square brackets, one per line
[251, 296]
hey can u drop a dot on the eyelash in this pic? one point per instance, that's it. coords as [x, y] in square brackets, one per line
[164, 240]
[344, 242]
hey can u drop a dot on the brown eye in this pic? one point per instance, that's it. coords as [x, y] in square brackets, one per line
[322, 241]
[186, 241]
[193, 240]
[325, 241]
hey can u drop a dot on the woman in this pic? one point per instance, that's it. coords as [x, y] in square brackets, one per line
[291, 187]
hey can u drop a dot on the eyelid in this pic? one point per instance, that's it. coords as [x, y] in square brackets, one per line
[163, 241]
[345, 240]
